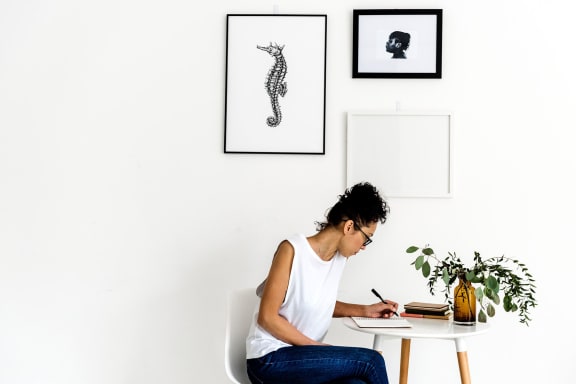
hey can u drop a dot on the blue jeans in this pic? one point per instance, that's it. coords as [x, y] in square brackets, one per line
[318, 364]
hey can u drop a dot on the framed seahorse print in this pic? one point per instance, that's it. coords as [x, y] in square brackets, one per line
[275, 99]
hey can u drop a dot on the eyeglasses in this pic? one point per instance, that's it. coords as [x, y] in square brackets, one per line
[368, 239]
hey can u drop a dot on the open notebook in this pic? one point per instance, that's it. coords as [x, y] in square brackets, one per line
[378, 322]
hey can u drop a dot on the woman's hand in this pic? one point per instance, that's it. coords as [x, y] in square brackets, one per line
[382, 310]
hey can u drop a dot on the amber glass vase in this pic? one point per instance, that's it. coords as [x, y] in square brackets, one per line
[464, 303]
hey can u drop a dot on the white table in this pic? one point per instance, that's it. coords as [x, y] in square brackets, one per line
[425, 329]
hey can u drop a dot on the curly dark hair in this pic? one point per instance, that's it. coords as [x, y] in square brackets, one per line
[402, 37]
[361, 203]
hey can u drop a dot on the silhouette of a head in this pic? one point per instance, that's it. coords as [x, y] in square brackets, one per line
[398, 43]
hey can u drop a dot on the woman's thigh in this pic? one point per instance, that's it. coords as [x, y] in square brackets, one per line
[348, 381]
[318, 364]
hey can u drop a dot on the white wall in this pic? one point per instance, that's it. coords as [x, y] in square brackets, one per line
[123, 224]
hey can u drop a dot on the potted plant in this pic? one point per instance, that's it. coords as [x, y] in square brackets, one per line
[493, 281]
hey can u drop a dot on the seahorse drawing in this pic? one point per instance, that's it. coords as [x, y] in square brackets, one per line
[275, 84]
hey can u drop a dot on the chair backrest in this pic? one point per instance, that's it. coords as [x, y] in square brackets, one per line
[240, 308]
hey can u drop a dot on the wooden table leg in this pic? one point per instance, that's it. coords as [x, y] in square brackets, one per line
[464, 369]
[404, 361]
[462, 354]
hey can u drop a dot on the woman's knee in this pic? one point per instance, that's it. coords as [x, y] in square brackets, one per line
[376, 362]
[372, 356]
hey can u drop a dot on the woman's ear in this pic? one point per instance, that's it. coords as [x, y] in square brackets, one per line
[348, 226]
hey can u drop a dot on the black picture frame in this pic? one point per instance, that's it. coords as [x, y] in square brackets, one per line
[275, 98]
[397, 43]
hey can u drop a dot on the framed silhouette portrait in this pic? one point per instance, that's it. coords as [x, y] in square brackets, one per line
[397, 43]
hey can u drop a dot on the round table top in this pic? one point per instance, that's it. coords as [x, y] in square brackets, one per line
[424, 328]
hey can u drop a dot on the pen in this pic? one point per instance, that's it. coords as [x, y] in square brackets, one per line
[381, 299]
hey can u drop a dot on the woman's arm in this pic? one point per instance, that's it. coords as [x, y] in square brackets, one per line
[373, 310]
[273, 296]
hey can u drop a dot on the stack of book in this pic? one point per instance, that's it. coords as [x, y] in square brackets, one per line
[427, 310]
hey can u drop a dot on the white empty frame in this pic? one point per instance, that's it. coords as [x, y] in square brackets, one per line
[403, 154]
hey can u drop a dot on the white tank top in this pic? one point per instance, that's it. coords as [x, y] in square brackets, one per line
[310, 298]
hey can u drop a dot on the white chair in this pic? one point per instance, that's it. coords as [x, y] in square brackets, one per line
[240, 308]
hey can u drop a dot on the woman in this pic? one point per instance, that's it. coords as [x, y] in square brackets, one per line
[298, 300]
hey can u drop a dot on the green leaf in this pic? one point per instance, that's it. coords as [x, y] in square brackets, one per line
[477, 279]
[482, 317]
[419, 261]
[470, 275]
[412, 249]
[445, 276]
[496, 299]
[492, 283]
[507, 303]
[479, 294]
[428, 251]
[426, 269]
[491, 310]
